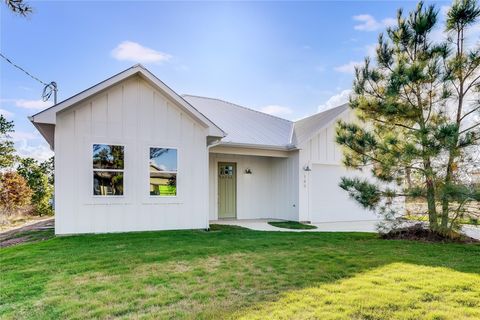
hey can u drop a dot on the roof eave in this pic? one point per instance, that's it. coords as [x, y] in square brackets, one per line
[288, 147]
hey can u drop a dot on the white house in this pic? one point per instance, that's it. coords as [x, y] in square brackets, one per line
[131, 155]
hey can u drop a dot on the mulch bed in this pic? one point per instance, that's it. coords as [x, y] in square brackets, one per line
[418, 232]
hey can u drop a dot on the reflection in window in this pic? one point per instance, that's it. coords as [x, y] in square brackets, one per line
[163, 172]
[108, 170]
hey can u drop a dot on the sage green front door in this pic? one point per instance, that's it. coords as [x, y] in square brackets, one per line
[227, 190]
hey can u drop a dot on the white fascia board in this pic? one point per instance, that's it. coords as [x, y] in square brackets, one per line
[49, 115]
[313, 133]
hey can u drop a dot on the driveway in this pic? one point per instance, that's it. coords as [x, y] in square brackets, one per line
[472, 231]
[20, 234]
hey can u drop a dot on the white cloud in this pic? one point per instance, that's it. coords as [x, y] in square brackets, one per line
[276, 110]
[40, 152]
[348, 67]
[6, 113]
[28, 104]
[30, 144]
[133, 51]
[369, 23]
[371, 49]
[24, 136]
[33, 104]
[336, 100]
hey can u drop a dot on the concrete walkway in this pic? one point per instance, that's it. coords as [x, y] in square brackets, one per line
[350, 226]
[262, 225]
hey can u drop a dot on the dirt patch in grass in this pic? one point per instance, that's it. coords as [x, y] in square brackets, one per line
[39, 231]
[419, 233]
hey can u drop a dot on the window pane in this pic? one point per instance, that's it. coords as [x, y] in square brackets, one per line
[162, 183]
[107, 156]
[107, 183]
[163, 159]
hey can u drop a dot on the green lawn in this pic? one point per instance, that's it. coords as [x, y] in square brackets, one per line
[291, 225]
[237, 273]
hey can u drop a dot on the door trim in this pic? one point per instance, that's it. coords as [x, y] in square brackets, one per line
[218, 163]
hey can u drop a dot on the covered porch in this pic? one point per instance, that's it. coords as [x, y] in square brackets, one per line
[249, 183]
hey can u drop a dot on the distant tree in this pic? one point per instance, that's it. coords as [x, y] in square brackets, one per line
[14, 193]
[7, 150]
[19, 6]
[408, 133]
[37, 180]
[48, 167]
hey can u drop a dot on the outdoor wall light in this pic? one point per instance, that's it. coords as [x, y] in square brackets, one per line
[248, 171]
[306, 168]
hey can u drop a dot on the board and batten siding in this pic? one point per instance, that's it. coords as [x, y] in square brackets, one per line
[321, 151]
[137, 116]
[270, 191]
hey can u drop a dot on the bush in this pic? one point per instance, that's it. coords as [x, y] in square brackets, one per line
[14, 193]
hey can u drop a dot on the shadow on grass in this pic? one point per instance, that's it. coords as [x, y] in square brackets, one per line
[199, 274]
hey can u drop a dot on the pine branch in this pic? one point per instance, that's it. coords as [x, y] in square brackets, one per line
[395, 124]
[470, 112]
[470, 128]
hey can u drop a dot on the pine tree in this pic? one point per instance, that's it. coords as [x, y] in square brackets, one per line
[406, 132]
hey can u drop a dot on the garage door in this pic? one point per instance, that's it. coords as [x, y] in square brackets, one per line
[329, 202]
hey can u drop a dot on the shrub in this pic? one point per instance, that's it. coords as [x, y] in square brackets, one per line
[14, 193]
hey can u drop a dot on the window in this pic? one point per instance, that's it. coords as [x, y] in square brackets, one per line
[108, 169]
[163, 172]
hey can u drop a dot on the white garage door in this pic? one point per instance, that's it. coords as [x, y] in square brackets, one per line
[329, 202]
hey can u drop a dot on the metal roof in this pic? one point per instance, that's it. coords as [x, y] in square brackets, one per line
[244, 126]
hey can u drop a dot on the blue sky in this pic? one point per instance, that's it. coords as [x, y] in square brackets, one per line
[286, 58]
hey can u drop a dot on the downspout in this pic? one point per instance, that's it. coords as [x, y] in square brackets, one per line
[212, 144]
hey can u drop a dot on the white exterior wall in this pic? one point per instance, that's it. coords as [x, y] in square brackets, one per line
[319, 151]
[271, 191]
[133, 114]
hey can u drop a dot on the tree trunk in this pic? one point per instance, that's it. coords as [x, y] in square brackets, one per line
[431, 203]
[445, 199]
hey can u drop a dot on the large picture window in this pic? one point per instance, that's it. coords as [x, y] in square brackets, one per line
[108, 170]
[163, 172]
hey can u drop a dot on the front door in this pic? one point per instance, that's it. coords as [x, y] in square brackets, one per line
[227, 190]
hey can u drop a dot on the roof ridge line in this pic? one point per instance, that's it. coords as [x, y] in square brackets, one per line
[239, 106]
[321, 112]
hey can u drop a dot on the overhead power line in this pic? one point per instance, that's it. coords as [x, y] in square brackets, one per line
[48, 88]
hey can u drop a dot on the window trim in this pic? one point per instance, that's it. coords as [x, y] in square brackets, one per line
[148, 173]
[92, 169]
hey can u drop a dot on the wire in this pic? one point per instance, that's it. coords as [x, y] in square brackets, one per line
[25, 71]
[48, 88]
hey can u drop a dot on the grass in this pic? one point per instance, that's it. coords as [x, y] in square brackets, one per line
[237, 273]
[291, 225]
